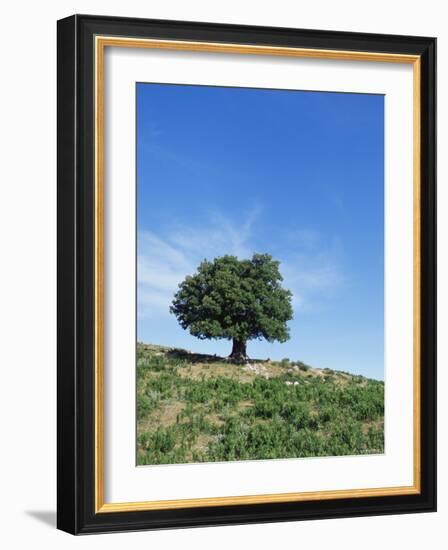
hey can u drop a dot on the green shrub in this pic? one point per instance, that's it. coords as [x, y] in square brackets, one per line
[220, 418]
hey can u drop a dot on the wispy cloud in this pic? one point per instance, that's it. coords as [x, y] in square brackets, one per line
[218, 235]
[311, 277]
[308, 266]
[160, 268]
[163, 263]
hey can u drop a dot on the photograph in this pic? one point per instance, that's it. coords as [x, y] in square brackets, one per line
[246, 298]
[260, 274]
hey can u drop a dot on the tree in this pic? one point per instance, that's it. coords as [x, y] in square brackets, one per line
[239, 300]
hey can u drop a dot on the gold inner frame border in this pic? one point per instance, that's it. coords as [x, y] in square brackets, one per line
[100, 44]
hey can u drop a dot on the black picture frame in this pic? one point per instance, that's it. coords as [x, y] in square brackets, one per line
[76, 286]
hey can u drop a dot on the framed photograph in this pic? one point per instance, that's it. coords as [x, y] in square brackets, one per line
[246, 274]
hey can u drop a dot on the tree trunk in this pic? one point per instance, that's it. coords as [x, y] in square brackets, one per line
[238, 354]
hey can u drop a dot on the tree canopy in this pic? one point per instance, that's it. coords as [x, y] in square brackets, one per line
[239, 300]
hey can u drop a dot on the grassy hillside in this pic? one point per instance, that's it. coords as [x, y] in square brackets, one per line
[201, 408]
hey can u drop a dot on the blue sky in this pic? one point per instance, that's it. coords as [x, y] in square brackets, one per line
[299, 175]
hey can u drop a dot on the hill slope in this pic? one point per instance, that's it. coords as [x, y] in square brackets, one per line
[201, 408]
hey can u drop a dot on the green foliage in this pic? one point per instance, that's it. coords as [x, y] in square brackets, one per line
[235, 299]
[302, 366]
[247, 417]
